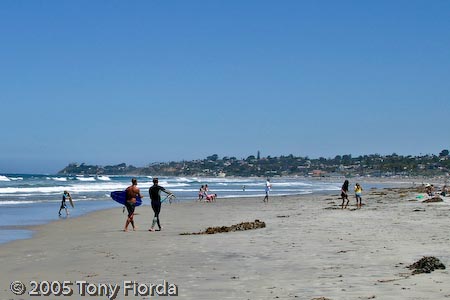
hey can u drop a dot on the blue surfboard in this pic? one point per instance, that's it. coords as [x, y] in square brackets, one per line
[121, 197]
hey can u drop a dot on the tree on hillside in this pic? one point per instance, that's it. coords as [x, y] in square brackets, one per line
[444, 153]
[213, 157]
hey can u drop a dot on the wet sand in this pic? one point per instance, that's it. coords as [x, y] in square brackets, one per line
[310, 248]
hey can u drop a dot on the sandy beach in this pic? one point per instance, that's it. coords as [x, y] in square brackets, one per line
[309, 249]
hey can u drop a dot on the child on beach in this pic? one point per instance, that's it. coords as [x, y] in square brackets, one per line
[344, 194]
[211, 197]
[200, 193]
[358, 193]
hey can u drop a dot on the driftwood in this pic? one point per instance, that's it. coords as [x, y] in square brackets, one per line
[238, 227]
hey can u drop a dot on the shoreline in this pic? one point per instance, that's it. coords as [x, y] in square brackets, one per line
[310, 248]
[29, 230]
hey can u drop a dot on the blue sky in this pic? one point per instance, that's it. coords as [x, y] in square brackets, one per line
[106, 82]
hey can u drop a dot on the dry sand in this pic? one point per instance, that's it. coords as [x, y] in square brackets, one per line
[309, 249]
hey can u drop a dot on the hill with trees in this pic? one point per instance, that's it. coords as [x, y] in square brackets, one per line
[364, 165]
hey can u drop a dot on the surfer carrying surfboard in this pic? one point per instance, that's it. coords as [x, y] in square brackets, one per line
[65, 196]
[155, 197]
[131, 193]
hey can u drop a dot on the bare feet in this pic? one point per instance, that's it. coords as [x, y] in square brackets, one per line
[152, 230]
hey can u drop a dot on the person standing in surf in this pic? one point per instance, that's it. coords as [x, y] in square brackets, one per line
[267, 190]
[344, 194]
[63, 203]
[131, 193]
[155, 196]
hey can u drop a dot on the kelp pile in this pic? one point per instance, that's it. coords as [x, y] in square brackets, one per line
[237, 227]
[427, 264]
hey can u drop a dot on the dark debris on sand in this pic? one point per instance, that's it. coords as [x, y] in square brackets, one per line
[434, 199]
[426, 264]
[237, 227]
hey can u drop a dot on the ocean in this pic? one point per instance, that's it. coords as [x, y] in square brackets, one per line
[32, 199]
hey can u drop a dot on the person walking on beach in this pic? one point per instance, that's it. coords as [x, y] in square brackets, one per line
[131, 193]
[65, 196]
[200, 193]
[344, 194]
[155, 196]
[358, 195]
[205, 191]
[267, 190]
[444, 191]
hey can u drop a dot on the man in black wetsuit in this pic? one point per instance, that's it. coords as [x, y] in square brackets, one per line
[155, 196]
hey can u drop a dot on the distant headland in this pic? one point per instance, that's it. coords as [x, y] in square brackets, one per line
[341, 165]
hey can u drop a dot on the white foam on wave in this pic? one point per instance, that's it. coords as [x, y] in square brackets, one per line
[107, 186]
[85, 178]
[104, 178]
[77, 188]
[183, 190]
[59, 178]
[182, 179]
[4, 178]
[166, 184]
[226, 180]
[291, 183]
[175, 185]
[185, 187]
[30, 190]
[16, 202]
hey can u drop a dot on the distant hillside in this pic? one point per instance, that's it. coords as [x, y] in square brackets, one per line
[373, 165]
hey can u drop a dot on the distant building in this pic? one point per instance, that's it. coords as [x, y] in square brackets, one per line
[318, 173]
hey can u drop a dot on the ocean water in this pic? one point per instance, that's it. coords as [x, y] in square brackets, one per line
[35, 199]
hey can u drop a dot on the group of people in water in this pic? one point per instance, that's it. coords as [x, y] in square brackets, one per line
[344, 194]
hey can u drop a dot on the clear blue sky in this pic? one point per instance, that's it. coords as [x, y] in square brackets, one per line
[105, 82]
